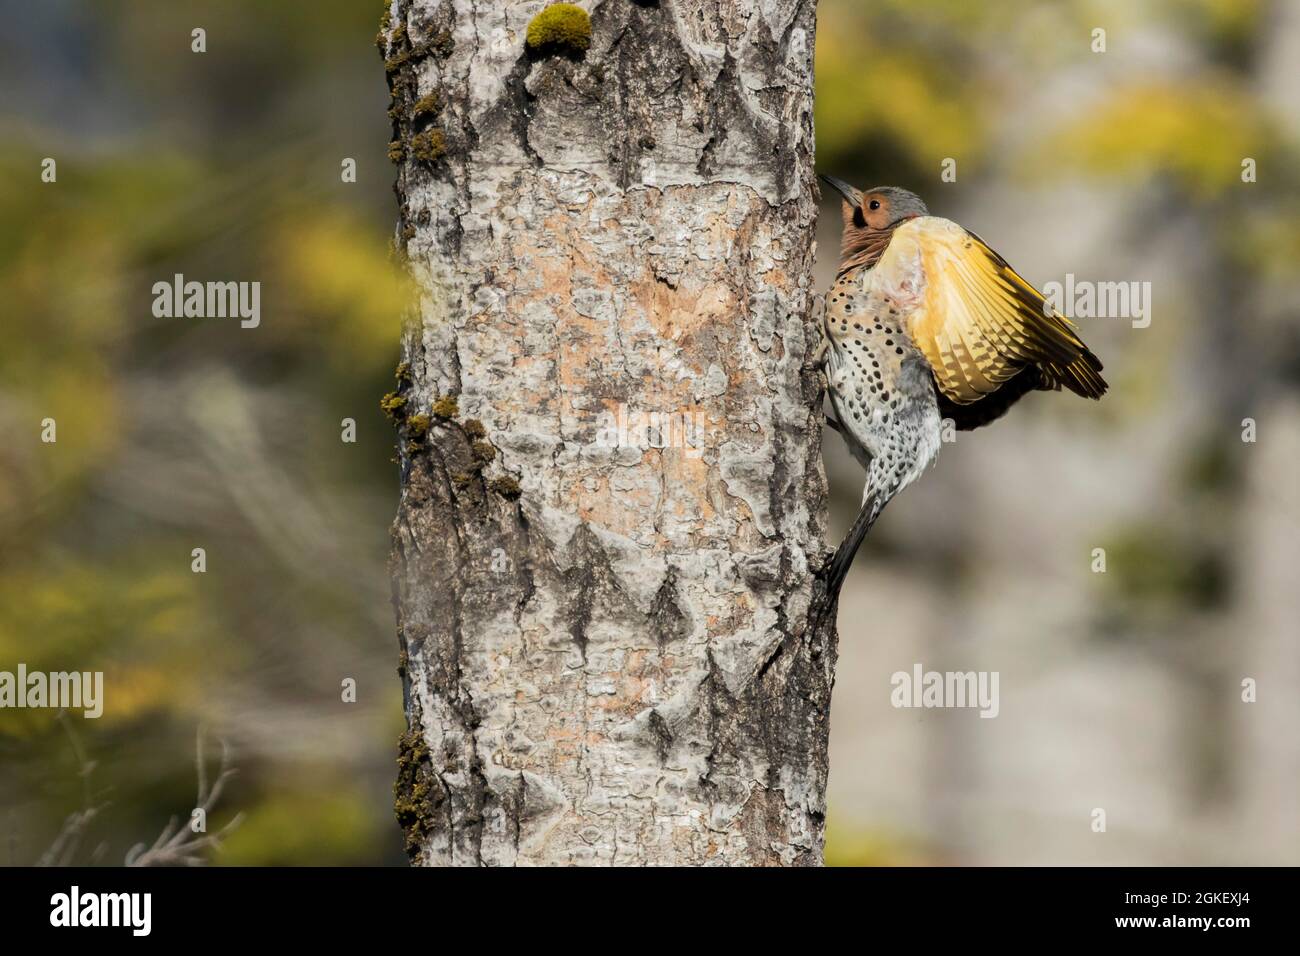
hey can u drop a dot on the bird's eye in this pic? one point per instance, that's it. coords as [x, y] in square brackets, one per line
[874, 204]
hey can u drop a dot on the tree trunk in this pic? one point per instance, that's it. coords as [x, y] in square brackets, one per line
[609, 423]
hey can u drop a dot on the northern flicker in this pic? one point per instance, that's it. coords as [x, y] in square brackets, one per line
[926, 322]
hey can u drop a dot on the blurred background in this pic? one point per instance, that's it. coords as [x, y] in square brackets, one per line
[1119, 690]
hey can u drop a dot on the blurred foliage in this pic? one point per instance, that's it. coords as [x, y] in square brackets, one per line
[1148, 138]
[142, 623]
[1197, 134]
[1209, 469]
[306, 828]
[183, 433]
[891, 100]
[854, 845]
[1158, 570]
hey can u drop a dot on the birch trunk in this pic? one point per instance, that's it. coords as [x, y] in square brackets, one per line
[607, 649]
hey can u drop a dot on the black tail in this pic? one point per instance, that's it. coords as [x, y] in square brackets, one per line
[839, 565]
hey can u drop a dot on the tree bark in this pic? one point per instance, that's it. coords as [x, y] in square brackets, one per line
[610, 649]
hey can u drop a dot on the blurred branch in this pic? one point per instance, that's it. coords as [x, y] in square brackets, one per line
[61, 851]
[177, 845]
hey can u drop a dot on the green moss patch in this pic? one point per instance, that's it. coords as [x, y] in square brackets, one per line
[426, 105]
[562, 29]
[418, 425]
[393, 405]
[506, 487]
[429, 146]
[413, 798]
[446, 407]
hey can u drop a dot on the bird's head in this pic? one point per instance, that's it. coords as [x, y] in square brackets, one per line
[870, 217]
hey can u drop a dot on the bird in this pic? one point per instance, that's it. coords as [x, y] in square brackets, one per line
[924, 323]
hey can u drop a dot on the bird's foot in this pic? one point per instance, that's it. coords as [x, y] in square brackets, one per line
[819, 356]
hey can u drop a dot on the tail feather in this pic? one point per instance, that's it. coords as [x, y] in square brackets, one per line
[842, 560]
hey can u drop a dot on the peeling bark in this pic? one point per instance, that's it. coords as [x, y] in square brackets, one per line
[612, 651]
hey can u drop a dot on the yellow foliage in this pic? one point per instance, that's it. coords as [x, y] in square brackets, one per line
[874, 99]
[1268, 242]
[352, 297]
[145, 628]
[1229, 19]
[847, 845]
[1196, 135]
[304, 828]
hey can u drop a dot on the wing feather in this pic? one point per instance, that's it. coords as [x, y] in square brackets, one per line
[979, 323]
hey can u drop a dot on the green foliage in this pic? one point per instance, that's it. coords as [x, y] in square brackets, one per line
[298, 828]
[1151, 568]
[146, 626]
[183, 433]
[854, 845]
[892, 99]
[1194, 134]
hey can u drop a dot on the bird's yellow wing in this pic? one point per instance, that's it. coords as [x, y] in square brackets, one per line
[978, 323]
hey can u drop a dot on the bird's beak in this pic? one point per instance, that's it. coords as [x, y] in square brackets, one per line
[840, 186]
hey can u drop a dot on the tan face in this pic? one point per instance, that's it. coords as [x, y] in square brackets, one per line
[866, 226]
[875, 210]
[872, 212]
[870, 217]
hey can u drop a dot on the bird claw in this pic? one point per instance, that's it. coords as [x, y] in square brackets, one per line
[819, 356]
